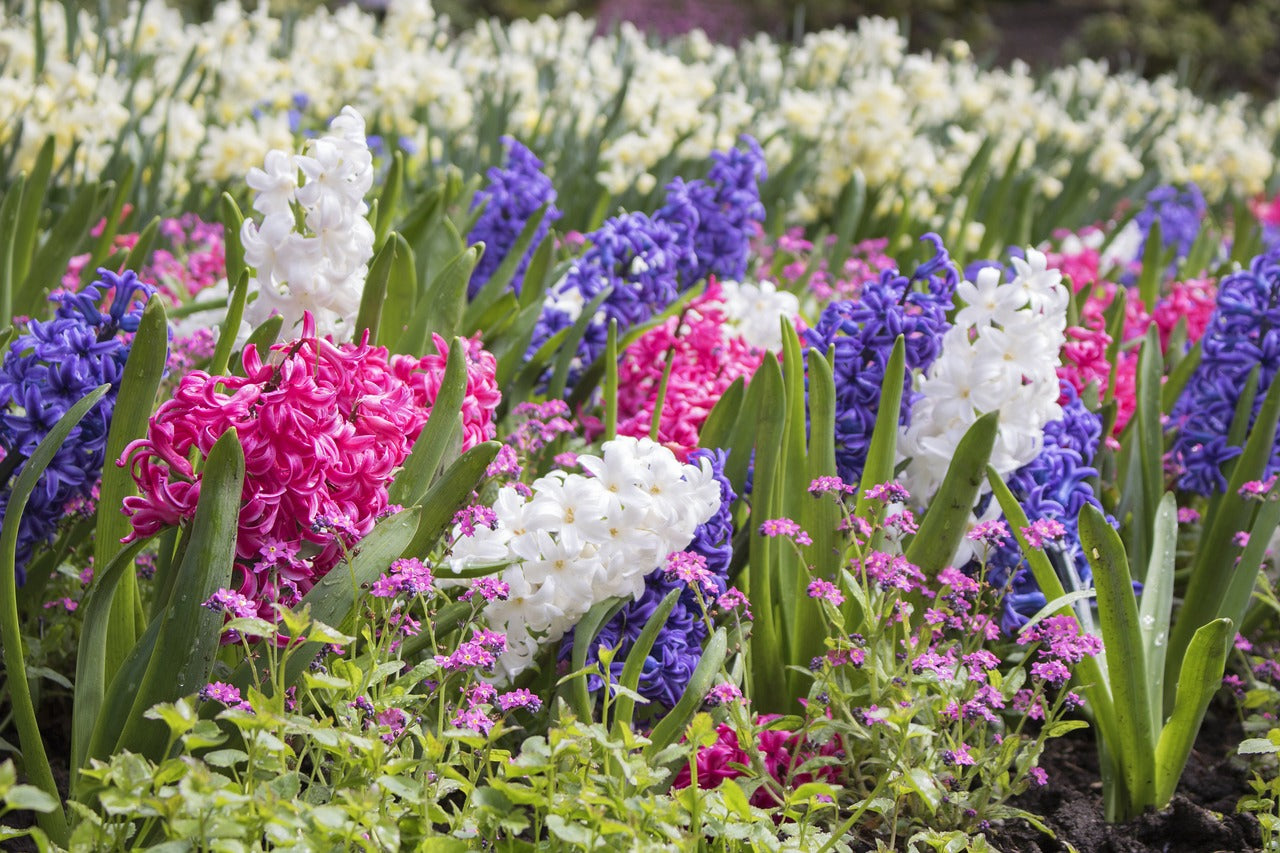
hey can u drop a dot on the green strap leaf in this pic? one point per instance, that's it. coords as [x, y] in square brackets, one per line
[262, 338]
[1126, 660]
[441, 309]
[700, 683]
[189, 633]
[1156, 607]
[1198, 681]
[28, 223]
[418, 472]
[230, 327]
[449, 492]
[718, 427]
[611, 382]
[143, 371]
[624, 706]
[882, 453]
[390, 198]
[947, 518]
[232, 221]
[584, 637]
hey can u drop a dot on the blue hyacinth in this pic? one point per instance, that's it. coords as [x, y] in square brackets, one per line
[863, 333]
[638, 257]
[1243, 333]
[1055, 486]
[514, 193]
[1180, 214]
[678, 647]
[46, 371]
[720, 215]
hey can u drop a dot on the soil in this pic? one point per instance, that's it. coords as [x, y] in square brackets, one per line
[1201, 819]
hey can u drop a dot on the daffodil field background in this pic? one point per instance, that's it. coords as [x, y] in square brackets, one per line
[522, 436]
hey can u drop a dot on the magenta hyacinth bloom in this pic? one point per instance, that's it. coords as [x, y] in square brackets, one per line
[324, 428]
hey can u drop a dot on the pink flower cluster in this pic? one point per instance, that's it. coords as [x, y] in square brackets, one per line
[1084, 356]
[706, 357]
[324, 428]
[781, 750]
[792, 258]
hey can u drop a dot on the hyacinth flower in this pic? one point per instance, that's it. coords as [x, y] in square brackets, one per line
[720, 215]
[1001, 355]
[705, 228]
[863, 332]
[514, 193]
[324, 427]
[1243, 334]
[705, 357]
[46, 371]
[1054, 486]
[678, 647]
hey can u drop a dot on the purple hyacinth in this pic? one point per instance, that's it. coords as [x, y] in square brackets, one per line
[1243, 333]
[635, 255]
[678, 647]
[47, 370]
[514, 193]
[1180, 213]
[863, 333]
[720, 215]
[1054, 486]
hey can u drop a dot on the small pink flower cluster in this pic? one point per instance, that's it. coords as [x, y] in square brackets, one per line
[324, 428]
[781, 750]
[792, 257]
[706, 357]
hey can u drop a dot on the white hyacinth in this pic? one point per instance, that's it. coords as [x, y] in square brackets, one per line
[1001, 355]
[320, 264]
[752, 311]
[579, 539]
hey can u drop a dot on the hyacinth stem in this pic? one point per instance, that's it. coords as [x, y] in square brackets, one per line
[34, 757]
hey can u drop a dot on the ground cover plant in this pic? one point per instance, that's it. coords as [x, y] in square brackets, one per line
[520, 437]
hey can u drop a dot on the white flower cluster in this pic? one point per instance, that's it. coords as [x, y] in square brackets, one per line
[582, 539]
[839, 101]
[752, 311]
[1001, 355]
[322, 266]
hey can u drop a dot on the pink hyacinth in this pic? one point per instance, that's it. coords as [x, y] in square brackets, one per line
[706, 357]
[324, 428]
[781, 751]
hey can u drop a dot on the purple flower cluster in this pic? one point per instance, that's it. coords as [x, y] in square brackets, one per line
[514, 193]
[635, 255]
[678, 647]
[1179, 212]
[1052, 489]
[720, 215]
[863, 333]
[704, 228]
[47, 370]
[1243, 333]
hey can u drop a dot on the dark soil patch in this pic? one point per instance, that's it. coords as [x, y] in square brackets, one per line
[1201, 819]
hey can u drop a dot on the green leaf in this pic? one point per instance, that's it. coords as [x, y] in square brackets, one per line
[584, 637]
[882, 453]
[8, 246]
[1257, 746]
[701, 681]
[1126, 660]
[446, 297]
[418, 472]
[947, 518]
[624, 706]
[143, 371]
[337, 594]
[449, 492]
[28, 222]
[569, 349]
[262, 338]
[389, 200]
[374, 296]
[1156, 607]
[718, 427]
[1152, 268]
[64, 239]
[30, 798]
[188, 636]
[230, 327]
[232, 222]
[504, 274]
[611, 382]
[400, 305]
[21, 707]
[1150, 439]
[1198, 681]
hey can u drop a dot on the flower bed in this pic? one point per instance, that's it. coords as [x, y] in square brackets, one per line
[803, 447]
